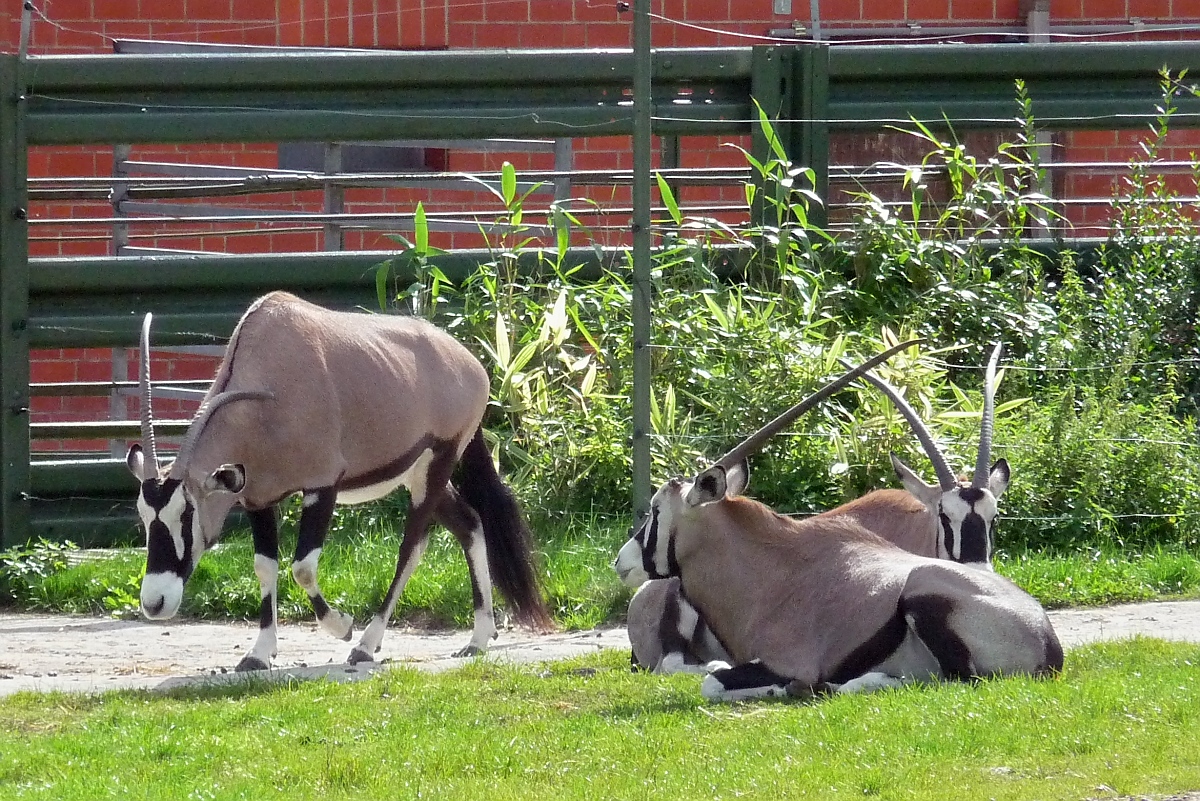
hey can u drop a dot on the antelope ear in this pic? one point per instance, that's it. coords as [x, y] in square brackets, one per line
[998, 480]
[737, 477]
[227, 478]
[135, 460]
[709, 487]
[928, 494]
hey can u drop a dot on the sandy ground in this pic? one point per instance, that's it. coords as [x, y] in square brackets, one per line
[75, 654]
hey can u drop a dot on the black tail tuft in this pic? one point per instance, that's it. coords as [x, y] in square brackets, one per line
[509, 543]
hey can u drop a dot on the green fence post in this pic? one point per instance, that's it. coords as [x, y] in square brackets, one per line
[770, 87]
[14, 309]
[643, 109]
[809, 142]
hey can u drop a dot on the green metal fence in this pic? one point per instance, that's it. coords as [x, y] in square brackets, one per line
[120, 99]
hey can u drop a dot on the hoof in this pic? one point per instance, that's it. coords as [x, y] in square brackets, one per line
[337, 624]
[470, 650]
[357, 656]
[249, 663]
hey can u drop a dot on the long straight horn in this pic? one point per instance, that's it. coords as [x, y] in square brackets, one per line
[205, 413]
[945, 475]
[151, 455]
[755, 441]
[982, 461]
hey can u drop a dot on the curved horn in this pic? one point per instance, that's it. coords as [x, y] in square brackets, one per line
[205, 413]
[148, 449]
[944, 474]
[755, 441]
[980, 478]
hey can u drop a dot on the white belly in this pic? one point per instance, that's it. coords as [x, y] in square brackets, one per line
[414, 478]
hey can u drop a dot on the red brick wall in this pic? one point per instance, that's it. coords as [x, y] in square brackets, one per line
[91, 25]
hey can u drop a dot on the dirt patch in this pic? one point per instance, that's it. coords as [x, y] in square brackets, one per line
[78, 654]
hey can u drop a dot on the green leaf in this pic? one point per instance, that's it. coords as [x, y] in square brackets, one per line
[668, 198]
[421, 230]
[381, 275]
[508, 183]
[503, 346]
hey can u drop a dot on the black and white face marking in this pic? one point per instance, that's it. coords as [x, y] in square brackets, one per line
[172, 547]
[966, 515]
[650, 551]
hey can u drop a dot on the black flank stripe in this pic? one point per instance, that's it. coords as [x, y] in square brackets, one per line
[930, 615]
[879, 647]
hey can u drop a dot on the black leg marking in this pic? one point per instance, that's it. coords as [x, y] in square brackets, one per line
[747, 680]
[314, 526]
[265, 530]
[460, 520]
[930, 618]
[314, 520]
[266, 612]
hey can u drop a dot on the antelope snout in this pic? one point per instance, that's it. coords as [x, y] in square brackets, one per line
[161, 595]
[628, 565]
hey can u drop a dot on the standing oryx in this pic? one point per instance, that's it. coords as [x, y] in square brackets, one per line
[344, 407]
[823, 602]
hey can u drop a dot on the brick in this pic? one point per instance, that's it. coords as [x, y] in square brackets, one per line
[1104, 9]
[113, 10]
[707, 10]
[1066, 9]
[967, 10]
[337, 24]
[1152, 8]
[412, 30]
[93, 371]
[51, 371]
[209, 10]
[166, 10]
[1009, 11]
[436, 23]
[288, 28]
[617, 35]
[921, 10]
[506, 10]
[363, 30]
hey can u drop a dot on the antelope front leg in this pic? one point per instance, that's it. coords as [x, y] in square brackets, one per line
[456, 514]
[265, 530]
[314, 525]
[741, 682]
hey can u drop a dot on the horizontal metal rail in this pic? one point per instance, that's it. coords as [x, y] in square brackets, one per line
[105, 429]
[346, 95]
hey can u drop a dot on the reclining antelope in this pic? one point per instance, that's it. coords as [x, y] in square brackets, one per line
[802, 606]
[340, 407]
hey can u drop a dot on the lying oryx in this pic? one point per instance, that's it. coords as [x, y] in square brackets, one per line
[953, 520]
[824, 603]
[343, 407]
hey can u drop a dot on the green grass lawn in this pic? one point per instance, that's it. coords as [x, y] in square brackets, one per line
[359, 561]
[1124, 718]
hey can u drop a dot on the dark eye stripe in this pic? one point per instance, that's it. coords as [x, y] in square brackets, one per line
[650, 546]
